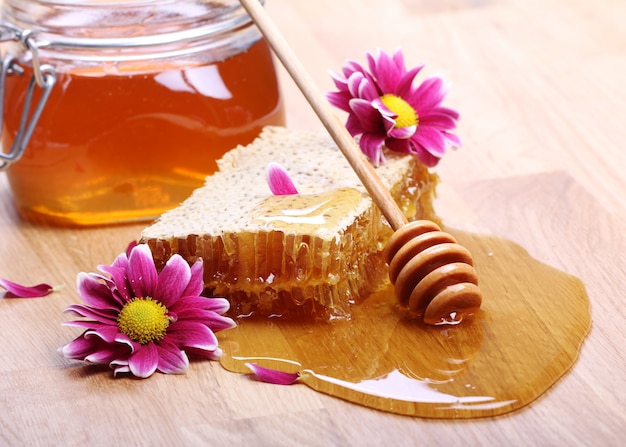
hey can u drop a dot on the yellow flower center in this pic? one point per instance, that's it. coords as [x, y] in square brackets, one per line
[143, 320]
[407, 116]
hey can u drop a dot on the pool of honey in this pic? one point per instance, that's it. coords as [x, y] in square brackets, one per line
[128, 142]
[527, 335]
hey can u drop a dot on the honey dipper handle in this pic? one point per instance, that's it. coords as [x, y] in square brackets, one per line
[360, 164]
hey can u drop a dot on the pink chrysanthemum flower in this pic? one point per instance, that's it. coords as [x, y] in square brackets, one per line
[143, 321]
[386, 108]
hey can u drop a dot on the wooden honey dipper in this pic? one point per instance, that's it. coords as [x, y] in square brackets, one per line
[432, 274]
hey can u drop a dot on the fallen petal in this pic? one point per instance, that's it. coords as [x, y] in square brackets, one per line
[273, 376]
[15, 290]
[279, 181]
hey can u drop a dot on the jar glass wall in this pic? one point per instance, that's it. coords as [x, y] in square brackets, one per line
[148, 95]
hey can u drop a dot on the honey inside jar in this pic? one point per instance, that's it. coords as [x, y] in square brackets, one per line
[127, 139]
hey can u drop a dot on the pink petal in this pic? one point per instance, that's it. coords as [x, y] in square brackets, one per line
[15, 290]
[367, 115]
[171, 359]
[424, 156]
[428, 95]
[279, 181]
[195, 314]
[446, 111]
[341, 82]
[143, 363]
[384, 111]
[400, 145]
[339, 100]
[452, 139]
[172, 280]
[89, 325]
[119, 277]
[93, 349]
[124, 339]
[402, 133]
[398, 59]
[95, 293]
[221, 323]
[273, 376]
[107, 333]
[191, 334]
[389, 123]
[365, 89]
[431, 139]
[79, 348]
[388, 71]
[213, 354]
[196, 281]
[211, 319]
[142, 272]
[405, 85]
[372, 146]
[100, 315]
[130, 246]
[355, 82]
[219, 305]
[354, 125]
[121, 261]
[106, 354]
[440, 121]
[351, 67]
[120, 366]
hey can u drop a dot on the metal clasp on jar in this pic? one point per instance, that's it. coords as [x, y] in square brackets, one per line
[44, 77]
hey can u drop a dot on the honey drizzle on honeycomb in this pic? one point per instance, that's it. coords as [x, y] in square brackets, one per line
[290, 269]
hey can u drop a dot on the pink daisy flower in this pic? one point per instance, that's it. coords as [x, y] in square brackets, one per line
[142, 321]
[386, 108]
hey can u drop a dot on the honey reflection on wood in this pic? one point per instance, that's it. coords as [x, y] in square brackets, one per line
[528, 334]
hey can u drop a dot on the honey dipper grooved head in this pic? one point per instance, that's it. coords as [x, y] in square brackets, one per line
[432, 274]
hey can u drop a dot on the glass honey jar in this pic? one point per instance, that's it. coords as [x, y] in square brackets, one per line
[146, 96]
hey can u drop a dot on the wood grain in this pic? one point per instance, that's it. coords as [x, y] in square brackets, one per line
[540, 87]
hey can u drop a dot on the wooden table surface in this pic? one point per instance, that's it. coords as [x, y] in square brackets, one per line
[540, 85]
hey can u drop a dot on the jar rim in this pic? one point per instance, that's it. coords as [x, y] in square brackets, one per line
[119, 24]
